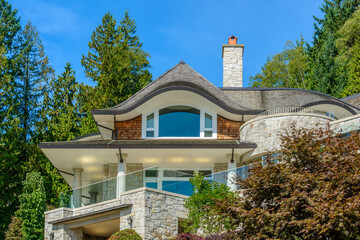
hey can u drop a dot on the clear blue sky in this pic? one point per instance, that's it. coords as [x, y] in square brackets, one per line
[189, 30]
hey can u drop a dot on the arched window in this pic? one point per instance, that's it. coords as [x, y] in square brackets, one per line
[179, 121]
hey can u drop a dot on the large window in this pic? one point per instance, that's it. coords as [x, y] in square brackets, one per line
[179, 122]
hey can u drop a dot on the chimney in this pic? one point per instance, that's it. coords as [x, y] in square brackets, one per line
[232, 54]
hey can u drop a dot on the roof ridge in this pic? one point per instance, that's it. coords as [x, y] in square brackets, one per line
[143, 89]
[232, 99]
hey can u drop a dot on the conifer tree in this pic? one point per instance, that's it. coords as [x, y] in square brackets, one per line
[62, 115]
[326, 76]
[116, 62]
[348, 45]
[10, 163]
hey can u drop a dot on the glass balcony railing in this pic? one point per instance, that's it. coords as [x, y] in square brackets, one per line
[157, 178]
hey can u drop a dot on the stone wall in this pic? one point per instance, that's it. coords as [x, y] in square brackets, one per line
[346, 125]
[265, 131]
[233, 65]
[227, 129]
[130, 129]
[154, 213]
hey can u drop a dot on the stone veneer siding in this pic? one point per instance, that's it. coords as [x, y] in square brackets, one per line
[130, 129]
[346, 125]
[155, 215]
[233, 65]
[227, 129]
[265, 131]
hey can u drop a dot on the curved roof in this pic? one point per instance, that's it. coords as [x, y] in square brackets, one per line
[247, 101]
[274, 98]
[353, 100]
[180, 77]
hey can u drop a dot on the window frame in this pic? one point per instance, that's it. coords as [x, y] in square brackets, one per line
[203, 111]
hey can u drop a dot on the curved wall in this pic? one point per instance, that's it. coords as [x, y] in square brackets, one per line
[265, 131]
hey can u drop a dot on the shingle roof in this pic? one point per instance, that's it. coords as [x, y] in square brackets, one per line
[274, 98]
[180, 77]
[353, 100]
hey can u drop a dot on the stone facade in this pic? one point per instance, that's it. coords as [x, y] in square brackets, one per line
[233, 65]
[130, 129]
[346, 125]
[154, 213]
[227, 129]
[265, 131]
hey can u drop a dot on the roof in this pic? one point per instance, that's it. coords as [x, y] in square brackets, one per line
[149, 143]
[180, 77]
[249, 101]
[274, 98]
[353, 100]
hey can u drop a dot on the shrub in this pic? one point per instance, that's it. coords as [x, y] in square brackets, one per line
[222, 236]
[126, 234]
[187, 236]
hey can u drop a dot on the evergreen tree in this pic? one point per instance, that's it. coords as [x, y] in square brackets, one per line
[348, 45]
[326, 76]
[116, 62]
[61, 113]
[32, 207]
[10, 162]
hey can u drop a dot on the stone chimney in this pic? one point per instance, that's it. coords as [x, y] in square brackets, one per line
[232, 54]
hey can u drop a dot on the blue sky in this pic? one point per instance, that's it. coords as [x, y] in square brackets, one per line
[189, 30]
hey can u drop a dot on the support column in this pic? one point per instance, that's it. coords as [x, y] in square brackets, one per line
[77, 183]
[232, 176]
[121, 175]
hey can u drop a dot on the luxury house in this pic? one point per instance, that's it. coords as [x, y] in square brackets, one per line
[134, 172]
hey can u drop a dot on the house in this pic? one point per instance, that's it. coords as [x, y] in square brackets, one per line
[134, 173]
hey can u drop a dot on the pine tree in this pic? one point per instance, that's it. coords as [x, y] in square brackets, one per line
[62, 115]
[10, 162]
[348, 45]
[326, 76]
[116, 62]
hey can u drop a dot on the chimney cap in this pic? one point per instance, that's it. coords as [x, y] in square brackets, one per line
[232, 40]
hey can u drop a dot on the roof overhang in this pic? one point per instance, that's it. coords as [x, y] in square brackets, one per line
[185, 153]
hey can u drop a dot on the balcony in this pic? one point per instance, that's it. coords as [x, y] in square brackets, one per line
[155, 177]
[298, 110]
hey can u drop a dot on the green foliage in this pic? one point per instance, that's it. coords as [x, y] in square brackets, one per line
[14, 231]
[61, 113]
[32, 207]
[10, 163]
[325, 66]
[116, 61]
[126, 234]
[288, 68]
[205, 196]
[314, 193]
[348, 44]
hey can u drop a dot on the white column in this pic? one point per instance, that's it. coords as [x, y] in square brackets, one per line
[231, 179]
[77, 183]
[121, 176]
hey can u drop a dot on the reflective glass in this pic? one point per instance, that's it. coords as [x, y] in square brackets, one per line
[149, 133]
[208, 133]
[179, 121]
[150, 121]
[208, 121]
